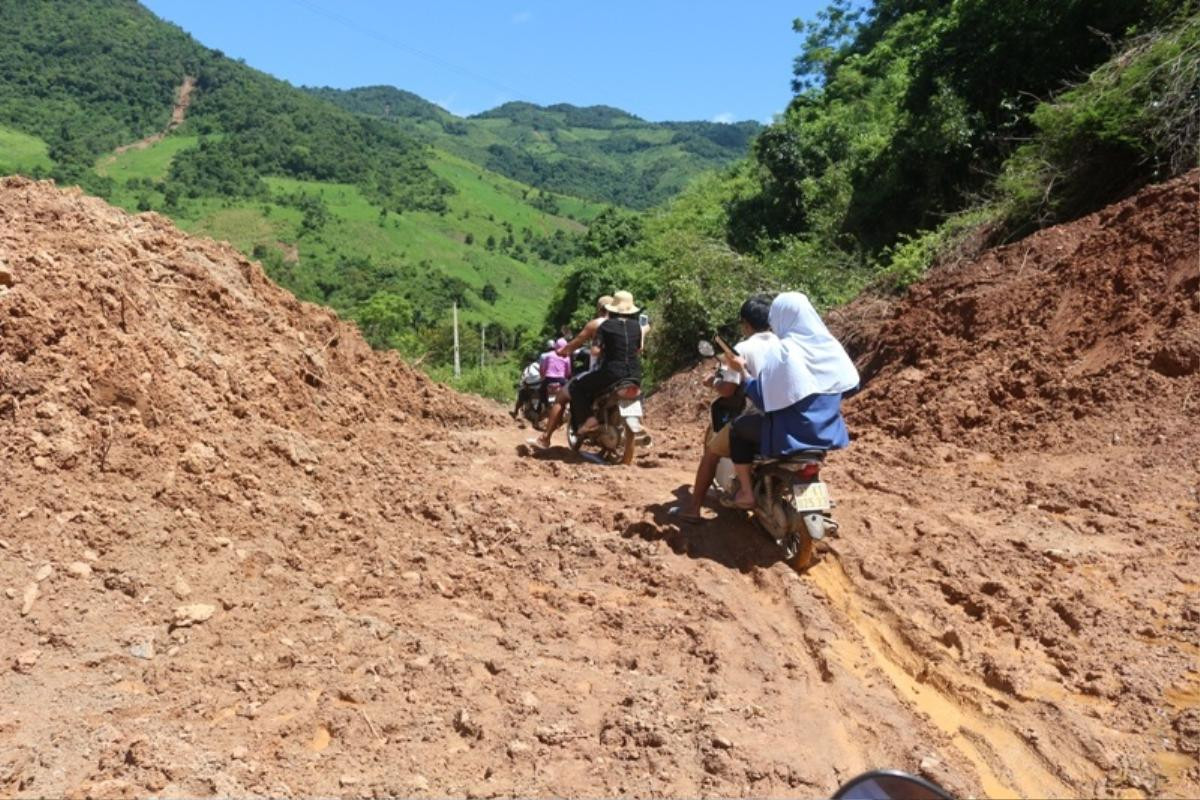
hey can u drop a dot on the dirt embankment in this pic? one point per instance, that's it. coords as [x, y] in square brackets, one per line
[244, 555]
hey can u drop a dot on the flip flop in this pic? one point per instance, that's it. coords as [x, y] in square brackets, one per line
[536, 443]
[690, 519]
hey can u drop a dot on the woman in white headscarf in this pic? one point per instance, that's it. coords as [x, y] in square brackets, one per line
[799, 388]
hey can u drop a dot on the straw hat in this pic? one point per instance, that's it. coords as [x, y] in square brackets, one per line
[622, 304]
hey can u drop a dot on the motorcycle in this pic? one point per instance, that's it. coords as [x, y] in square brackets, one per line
[619, 411]
[534, 410]
[791, 503]
[536, 407]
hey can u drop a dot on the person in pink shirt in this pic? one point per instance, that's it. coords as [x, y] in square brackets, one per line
[556, 371]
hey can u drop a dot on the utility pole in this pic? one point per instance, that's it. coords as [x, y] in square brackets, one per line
[457, 366]
[482, 331]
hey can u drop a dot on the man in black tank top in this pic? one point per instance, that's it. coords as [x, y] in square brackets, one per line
[620, 336]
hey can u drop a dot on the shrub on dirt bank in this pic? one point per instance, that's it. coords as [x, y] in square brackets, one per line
[1134, 120]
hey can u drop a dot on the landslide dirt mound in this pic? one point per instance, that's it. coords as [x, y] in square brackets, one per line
[1073, 333]
[243, 555]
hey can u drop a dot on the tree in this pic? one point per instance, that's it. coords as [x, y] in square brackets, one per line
[384, 319]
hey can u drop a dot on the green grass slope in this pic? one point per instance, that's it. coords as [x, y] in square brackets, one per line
[357, 250]
[20, 152]
[598, 152]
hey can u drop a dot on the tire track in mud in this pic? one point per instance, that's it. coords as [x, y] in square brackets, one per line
[1006, 765]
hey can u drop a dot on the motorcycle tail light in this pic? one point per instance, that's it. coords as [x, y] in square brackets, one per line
[629, 392]
[810, 471]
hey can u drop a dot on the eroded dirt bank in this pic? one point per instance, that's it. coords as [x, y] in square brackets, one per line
[244, 555]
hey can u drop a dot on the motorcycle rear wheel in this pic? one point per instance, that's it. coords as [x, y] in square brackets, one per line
[804, 546]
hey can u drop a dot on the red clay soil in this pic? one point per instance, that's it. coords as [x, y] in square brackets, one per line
[245, 555]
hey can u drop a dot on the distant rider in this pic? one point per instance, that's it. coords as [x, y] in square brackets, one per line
[556, 371]
[620, 338]
[531, 379]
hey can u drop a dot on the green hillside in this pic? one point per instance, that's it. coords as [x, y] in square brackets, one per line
[342, 208]
[597, 152]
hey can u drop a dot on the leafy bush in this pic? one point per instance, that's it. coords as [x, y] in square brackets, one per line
[1132, 121]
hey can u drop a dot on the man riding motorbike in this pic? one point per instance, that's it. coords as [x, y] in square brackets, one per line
[620, 337]
[729, 384]
[799, 388]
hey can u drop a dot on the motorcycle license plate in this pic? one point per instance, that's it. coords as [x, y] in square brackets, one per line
[810, 496]
[631, 408]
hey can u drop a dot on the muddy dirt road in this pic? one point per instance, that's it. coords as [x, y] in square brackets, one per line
[244, 555]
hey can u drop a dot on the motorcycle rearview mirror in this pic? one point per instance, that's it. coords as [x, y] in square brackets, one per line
[890, 785]
[706, 349]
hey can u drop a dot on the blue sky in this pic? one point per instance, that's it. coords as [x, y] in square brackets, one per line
[660, 59]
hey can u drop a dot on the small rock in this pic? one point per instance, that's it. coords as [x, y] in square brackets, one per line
[28, 599]
[10, 592]
[517, 748]
[193, 613]
[419, 782]
[552, 734]
[6, 275]
[529, 701]
[722, 742]
[222, 541]
[311, 507]
[181, 587]
[466, 726]
[44, 571]
[90, 555]
[348, 780]
[25, 660]
[79, 569]
[239, 753]
[143, 650]
[410, 577]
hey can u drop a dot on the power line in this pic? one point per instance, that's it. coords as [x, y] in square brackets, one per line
[430, 57]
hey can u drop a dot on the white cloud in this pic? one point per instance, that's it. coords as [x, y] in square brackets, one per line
[725, 117]
[521, 17]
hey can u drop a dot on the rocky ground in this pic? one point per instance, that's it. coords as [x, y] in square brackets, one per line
[244, 555]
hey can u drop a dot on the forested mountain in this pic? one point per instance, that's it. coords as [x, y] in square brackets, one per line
[596, 152]
[88, 76]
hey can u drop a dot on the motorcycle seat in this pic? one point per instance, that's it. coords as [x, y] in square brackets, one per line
[801, 456]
